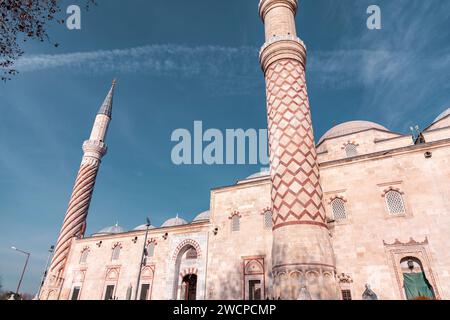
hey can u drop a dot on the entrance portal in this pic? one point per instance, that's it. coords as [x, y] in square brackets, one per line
[190, 287]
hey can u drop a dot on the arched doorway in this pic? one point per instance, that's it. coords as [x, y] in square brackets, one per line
[415, 282]
[189, 286]
[186, 271]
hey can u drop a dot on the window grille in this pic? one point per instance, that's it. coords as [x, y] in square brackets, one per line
[338, 207]
[268, 223]
[346, 295]
[350, 150]
[394, 202]
[116, 253]
[84, 256]
[235, 223]
[151, 250]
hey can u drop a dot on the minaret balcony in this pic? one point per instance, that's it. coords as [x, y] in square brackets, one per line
[282, 47]
[95, 148]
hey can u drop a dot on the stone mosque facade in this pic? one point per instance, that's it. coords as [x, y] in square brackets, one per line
[362, 214]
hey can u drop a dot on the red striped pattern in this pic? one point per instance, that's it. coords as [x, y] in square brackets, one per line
[74, 224]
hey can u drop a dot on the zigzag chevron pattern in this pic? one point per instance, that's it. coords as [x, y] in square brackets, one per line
[296, 191]
[74, 222]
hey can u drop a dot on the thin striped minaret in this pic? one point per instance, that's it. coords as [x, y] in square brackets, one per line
[302, 254]
[94, 149]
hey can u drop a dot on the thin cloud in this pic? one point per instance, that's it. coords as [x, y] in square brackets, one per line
[163, 60]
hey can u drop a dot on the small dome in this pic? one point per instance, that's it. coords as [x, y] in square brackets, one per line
[202, 216]
[351, 127]
[177, 221]
[442, 115]
[263, 173]
[111, 230]
[143, 227]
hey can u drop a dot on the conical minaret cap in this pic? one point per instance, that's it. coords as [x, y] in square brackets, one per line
[106, 107]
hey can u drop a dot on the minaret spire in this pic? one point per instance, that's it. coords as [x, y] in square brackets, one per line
[106, 107]
[74, 224]
[301, 242]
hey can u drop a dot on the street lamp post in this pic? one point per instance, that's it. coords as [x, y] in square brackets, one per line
[144, 253]
[24, 267]
[44, 275]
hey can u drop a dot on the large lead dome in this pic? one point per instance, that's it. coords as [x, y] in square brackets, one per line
[351, 127]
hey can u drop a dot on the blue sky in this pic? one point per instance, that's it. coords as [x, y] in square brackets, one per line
[180, 61]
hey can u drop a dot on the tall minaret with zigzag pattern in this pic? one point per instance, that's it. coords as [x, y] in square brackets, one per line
[302, 256]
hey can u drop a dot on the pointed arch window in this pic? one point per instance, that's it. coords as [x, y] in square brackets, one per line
[116, 252]
[395, 203]
[268, 223]
[84, 255]
[235, 223]
[151, 249]
[339, 210]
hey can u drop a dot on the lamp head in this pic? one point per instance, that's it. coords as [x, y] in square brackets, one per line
[411, 265]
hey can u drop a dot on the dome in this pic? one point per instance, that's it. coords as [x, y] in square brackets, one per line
[442, 115]
[202, 216]
[177, 221]
[111, 230]
[263, 173]
[143, 227]
[351, 127]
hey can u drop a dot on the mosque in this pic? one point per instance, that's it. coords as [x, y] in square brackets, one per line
[362, 214]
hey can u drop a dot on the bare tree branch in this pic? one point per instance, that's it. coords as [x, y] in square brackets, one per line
[21, 20]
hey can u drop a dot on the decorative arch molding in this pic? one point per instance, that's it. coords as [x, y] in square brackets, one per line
[79, 276]
[352, 142]
[254, 267]
[148, 272]
[296, 274]
[336, 196]
[112, 274]
[185, 243]
[117, 244]
[188, 271]
[411, 242]
[385, 191]
[234, 214]
[265, 210]
[86, 248]
[152, 240]
[344, 278]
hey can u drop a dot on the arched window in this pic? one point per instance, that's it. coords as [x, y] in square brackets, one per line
[84, 256]
[268, 223]
[350, 150]
[116, 252]
[151, 249]
[394, 202]
[338, 208]
[235, 223]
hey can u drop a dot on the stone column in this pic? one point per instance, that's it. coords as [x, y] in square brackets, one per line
[302, 251]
